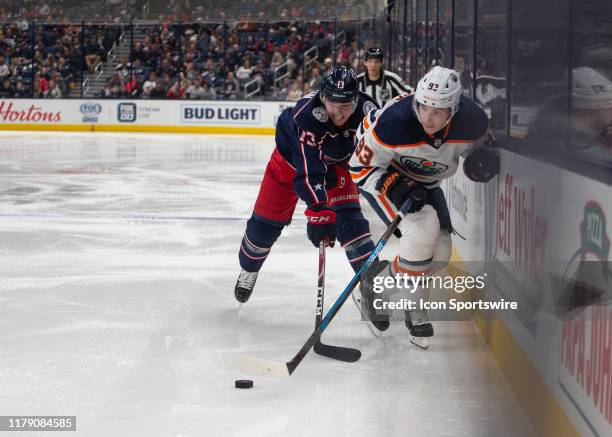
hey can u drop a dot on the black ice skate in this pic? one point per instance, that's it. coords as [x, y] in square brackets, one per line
[379, 319]
[244, 285]
[417, 322]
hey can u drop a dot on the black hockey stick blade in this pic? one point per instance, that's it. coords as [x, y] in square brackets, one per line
[340, 353]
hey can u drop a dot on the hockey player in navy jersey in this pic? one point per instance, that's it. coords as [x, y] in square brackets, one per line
[314, 141]
[425, 134]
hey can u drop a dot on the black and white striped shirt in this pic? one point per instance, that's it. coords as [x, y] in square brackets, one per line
[388, 86]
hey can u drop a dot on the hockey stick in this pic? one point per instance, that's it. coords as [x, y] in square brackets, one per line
[279, 369]
[357, 300]
[339, 353]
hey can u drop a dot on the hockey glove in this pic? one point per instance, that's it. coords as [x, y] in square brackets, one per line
[398, 189]
[320, 224]
[481, 165]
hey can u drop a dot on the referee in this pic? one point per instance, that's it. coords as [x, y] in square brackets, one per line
[378, 83]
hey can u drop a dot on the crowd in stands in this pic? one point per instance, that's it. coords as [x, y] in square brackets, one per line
[69, 11]
[172, 11]
[190, 52]
[203, 61]
[45, 60]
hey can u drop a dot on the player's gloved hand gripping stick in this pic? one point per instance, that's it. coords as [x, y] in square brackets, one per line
[276, 369]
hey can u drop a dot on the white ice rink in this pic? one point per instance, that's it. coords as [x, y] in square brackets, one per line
[118, 258]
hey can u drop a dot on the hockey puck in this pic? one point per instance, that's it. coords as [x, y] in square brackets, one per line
[243, 383]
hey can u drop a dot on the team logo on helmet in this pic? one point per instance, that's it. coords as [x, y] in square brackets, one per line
[368, 106]
[423, 166]
[320, 114]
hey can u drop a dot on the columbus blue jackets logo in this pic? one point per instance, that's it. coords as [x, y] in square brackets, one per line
[320, 114]
[423, 166]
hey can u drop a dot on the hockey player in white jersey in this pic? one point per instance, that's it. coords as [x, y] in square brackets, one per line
[425, 134]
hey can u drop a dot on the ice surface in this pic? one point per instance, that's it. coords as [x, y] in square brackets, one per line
[118, 261]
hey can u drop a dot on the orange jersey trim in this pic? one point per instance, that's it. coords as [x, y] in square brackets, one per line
[361, 174]
[384, 202]
[389, 146]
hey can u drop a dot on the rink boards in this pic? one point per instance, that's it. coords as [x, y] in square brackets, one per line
[239, 117]
[540, 232]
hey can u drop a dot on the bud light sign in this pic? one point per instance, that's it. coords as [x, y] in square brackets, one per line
[221, 114]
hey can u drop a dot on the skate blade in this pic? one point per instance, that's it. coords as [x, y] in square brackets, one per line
[420, 342]
[373, 330]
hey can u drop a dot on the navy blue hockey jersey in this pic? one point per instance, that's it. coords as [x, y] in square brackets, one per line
[309, 141]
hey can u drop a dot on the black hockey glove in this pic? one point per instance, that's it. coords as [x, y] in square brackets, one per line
[320, 224]
[481, 165]
[398, 189]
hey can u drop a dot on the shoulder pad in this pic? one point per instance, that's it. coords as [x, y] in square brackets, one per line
[470, 122]
[394, 124]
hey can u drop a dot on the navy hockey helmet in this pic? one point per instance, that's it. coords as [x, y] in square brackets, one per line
[340, 85]
[374, 53]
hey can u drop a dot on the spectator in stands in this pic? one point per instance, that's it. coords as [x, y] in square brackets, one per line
[54, 90]
[327, 64]
[195, 90]
[5, 70]
[57, 79]
[138, 53]
[283, 91]
[123, 67]
[150, 85]
[67, 73]
[210, 76]
[6, 92]
[130, 88]
[244, 72]
[41, 86]
[315, 78]
[191, 72]
[163, 86]
[277, 60]
[107, 92]
[140, 71]
[295, 91]
[231, 88]
[20, 92]
[209, 93]
[93, 53]
[175, 91]
[251, 45]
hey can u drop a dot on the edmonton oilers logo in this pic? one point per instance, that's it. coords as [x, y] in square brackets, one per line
[423, 166]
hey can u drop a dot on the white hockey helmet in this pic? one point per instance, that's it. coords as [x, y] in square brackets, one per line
[439, 88]
[590, 89]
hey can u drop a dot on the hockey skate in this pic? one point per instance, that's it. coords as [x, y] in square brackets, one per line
[379, 319]
[244, 285]
[417, 322]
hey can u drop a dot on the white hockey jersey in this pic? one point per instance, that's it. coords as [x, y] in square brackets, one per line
[395, 133]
